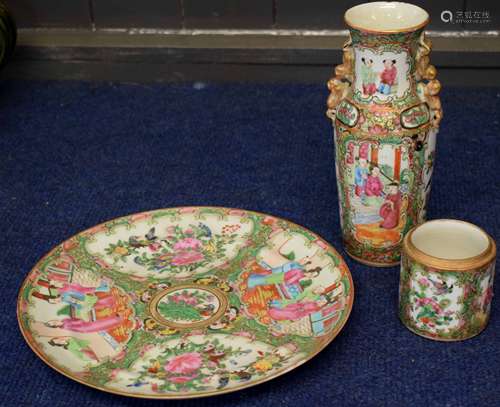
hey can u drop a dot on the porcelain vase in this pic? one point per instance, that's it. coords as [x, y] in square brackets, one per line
[385, 110]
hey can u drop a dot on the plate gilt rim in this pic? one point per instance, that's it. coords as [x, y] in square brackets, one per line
[322, 345]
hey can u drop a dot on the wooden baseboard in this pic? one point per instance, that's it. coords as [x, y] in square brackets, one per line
[145, 55]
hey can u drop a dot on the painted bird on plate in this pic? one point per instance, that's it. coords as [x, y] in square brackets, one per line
[223, 381]
[135, 242]
[151, 234]
[206, 230]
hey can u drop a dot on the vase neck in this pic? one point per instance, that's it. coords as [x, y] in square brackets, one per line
[384, 67]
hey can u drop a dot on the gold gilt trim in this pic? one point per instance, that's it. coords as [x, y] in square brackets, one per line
[395, 31]
[223, 304]
[321, 342]
[469, 264]
[340, 84]
[371, 263]
[426, 73]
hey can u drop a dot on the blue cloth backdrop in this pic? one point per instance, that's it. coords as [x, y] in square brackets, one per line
[76, 154]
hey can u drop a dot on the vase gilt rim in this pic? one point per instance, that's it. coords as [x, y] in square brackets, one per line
[386, 17]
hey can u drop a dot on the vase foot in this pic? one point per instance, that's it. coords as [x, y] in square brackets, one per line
[371, 263]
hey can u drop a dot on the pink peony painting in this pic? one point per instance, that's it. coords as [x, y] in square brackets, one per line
[184, 364]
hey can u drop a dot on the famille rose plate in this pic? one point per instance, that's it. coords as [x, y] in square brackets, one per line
[185, 302]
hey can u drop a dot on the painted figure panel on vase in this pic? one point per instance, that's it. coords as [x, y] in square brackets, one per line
[382, 192]
[380, 76]
[379, 190]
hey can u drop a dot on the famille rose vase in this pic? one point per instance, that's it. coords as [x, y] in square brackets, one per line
[385, 112]
[446, 283]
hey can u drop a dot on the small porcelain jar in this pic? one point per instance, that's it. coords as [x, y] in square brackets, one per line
[446, 283]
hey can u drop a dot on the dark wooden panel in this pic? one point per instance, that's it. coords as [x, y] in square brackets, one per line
[485, 15]
[328, 14]
[50, 13]
[116, 55]
[446, 53]
[457, 51]
[213, 14]
[140, 72]
[133, 14]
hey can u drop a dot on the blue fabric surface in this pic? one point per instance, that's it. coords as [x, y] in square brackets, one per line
[76, 154]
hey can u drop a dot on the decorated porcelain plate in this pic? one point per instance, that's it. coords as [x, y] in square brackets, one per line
[185, 302]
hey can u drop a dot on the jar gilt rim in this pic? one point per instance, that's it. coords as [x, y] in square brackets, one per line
[466, 264]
